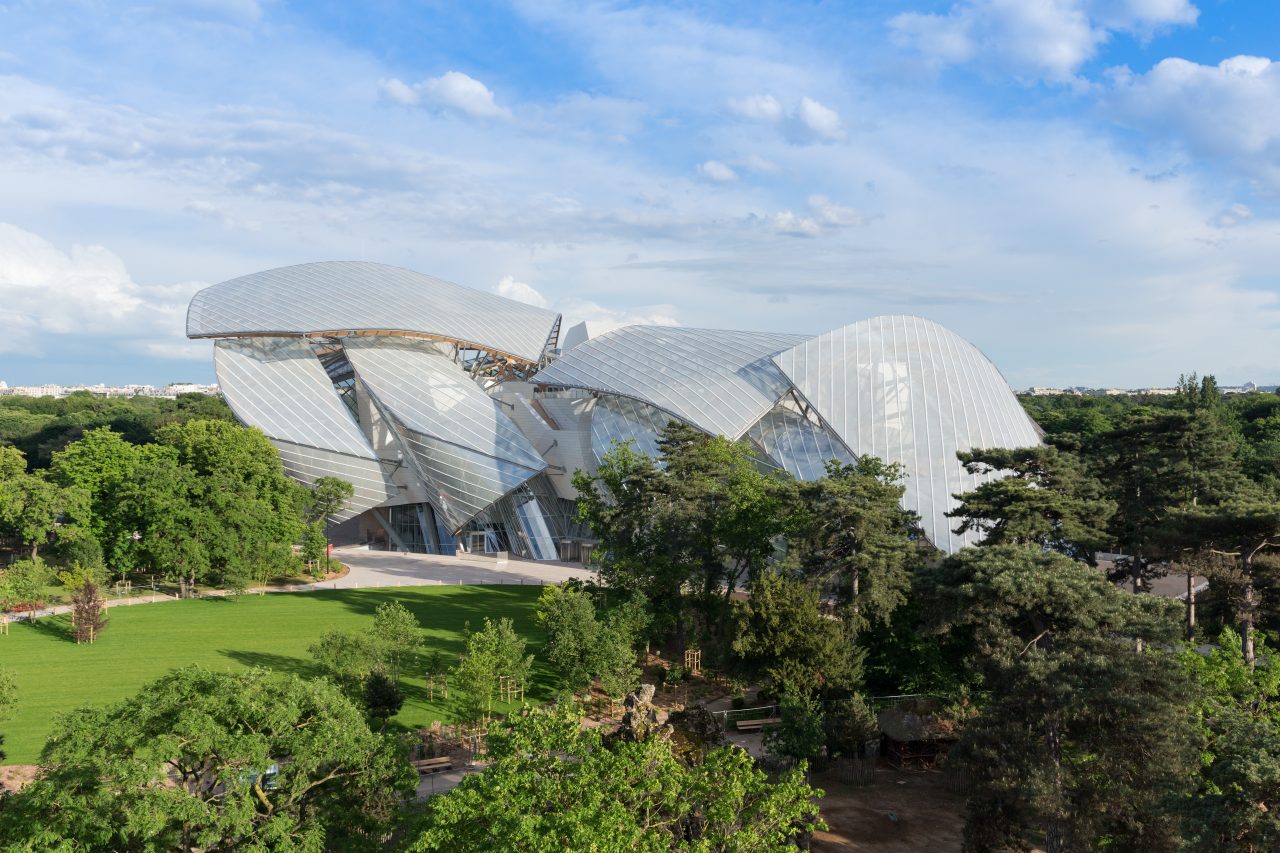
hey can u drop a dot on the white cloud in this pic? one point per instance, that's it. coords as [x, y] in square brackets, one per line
[1233, 215]
[823, 214]
[807, 121]
[756, 163]
[85, 292]
[218, 213]
[819, 120]
[399, 91]
[519, 291]
[1230, 110]
[716, 171]
[788, 223]
[757, 107]
[576, 311]
[452, 90]
[1042, 39]
[1144, 17]
[829, 213]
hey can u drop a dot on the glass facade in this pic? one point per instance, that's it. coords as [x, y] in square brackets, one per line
[433, 400]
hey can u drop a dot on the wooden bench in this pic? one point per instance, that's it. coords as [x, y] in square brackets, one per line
[756, 725]
[426, 766]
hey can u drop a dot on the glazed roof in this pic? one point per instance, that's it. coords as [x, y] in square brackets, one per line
[357, 296]
[719, 381]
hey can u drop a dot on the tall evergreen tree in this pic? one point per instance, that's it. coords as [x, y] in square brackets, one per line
[1048, 498]
[850, 530]
[1082, 736]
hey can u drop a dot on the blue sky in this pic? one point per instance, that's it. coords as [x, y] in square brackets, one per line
[1089, 190]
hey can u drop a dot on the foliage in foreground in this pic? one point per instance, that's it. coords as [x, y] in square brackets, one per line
[1084, 737]
[554, 786]
[212, 761]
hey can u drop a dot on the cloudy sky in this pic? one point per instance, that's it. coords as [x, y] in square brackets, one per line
[1089, 190]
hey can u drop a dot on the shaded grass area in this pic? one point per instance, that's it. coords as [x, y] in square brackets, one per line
[145, 641]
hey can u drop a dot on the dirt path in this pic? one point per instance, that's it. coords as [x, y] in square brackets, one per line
[901, 813]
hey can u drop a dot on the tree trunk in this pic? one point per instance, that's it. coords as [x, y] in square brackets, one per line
[1135, 574]
[1191, 607]
[1246, 621]
[1054, 831]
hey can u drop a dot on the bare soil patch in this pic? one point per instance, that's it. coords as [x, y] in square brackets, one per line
[14, 776]
[903, 812]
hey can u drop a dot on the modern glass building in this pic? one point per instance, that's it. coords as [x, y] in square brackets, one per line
[460, 423]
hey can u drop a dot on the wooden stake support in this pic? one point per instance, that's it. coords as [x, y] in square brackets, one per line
[693, 660]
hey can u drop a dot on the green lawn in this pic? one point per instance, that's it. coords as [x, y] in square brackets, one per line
[145, 641]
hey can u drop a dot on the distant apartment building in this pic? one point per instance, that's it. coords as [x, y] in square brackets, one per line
[100, 390]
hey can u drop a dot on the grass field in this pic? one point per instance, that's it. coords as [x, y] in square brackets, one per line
[142, 642]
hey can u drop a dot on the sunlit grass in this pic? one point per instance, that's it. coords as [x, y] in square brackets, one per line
[145, 641]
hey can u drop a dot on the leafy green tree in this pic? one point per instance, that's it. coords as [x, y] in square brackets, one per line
[849, 726]
[314, 545]
[386, 647]
[720, 516]
[1082, 736]
[1234, 808]
[492, 652]
[614, 661]
[1048, 498]
[1227, 681]
[327, 497]
[240, 483]
[554, 786]
[568, 615]
[1241, 528]
[849, 528]
[784, 637]
[35, 509]
[620, 503]
[100, 463]
[802, 733]
[346, 659]
[213, 761]
[24, 582]
[170, 533]
[703, 518]
[382, 697]
[396, 637]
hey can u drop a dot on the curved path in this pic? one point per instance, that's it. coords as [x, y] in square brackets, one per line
[391, 568]
[370, 569]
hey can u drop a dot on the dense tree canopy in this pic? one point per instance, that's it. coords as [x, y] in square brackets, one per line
[210, 761]
[555, 786]
[1044, 497]
[849, 529]
[42, 426]
[1081, 735]
[784, 637]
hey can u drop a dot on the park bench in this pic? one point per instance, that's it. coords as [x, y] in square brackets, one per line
[749, 726]
[426, 766]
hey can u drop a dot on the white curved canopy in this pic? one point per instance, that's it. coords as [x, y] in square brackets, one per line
[909, 391]
[357, 296]
[722, 382]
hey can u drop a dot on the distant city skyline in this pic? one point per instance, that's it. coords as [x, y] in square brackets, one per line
[1087, 191]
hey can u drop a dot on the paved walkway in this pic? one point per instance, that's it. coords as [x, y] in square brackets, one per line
[391, 568]
[382, 569]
